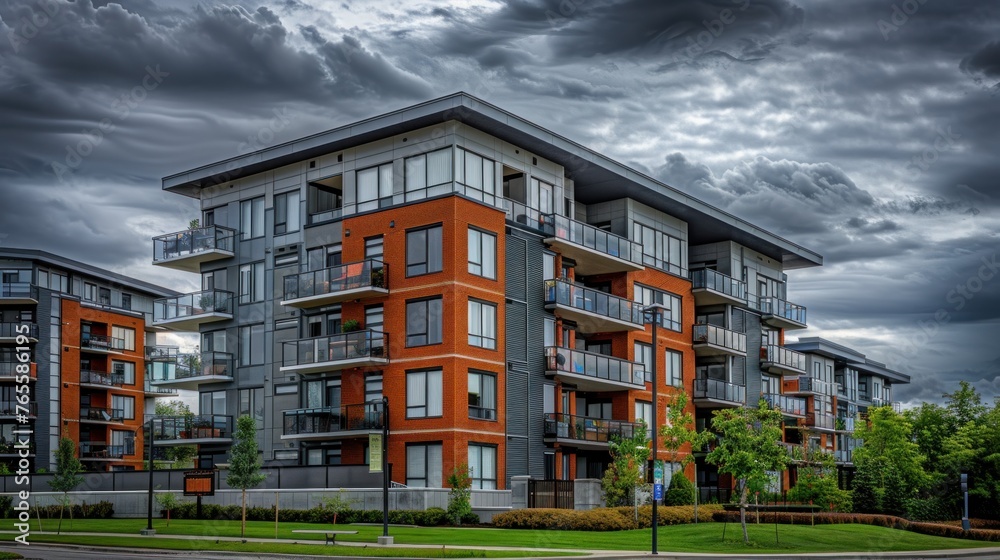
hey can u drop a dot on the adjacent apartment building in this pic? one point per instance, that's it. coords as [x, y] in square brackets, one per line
[86, 328]
[488, 278]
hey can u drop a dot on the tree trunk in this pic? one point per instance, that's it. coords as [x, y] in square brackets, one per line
[243, 524]
[743, 512]
[62, 506]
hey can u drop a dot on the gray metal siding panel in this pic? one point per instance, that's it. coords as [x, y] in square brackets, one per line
[753, 356]
[738, 324]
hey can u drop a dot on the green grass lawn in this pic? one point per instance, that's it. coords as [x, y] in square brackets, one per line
[704, 537]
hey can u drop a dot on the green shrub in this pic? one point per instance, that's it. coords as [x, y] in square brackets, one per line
[6, 507]
[927, 509]
[680, 492]
[600, 519]
[432, 517]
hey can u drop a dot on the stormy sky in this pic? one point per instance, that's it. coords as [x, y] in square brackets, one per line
[865, 130]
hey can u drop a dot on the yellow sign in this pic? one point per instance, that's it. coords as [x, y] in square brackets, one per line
[375, 453]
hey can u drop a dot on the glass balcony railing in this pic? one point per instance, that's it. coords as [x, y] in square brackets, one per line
[821, 421]
[523, 214]
[193, 242]
[162, 353]
[204, 367]
[14, 330]
[103, 343]
[179, 428]
[587, 429]
[593, 310]
[788, 315]
[10, 371]
[337, 283]
[895, 405]
[97, 414]
[17, 290]
[339, 351]
[806, 384]
[717, 282]
[718, 390]
[101, 450]
[324, 421]
[597, 242]
[102, 378]
[712, 337]
[783, 359]
[597, 368]
[845, 423]
[843, 455]
[14, 408]
[192, 307]
[795, 406]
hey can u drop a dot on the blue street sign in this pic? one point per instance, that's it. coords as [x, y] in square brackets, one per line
[657, 492]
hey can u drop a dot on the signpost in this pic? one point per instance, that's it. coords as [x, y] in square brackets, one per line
[199, 483]
[375, 451]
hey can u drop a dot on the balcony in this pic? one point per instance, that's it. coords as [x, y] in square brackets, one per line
[844, 424]
[9, 371]
[192, 430]
[592, 310]
[97, 415]
[805, 385]
[154, 392]
[186, 313]
[584, 432]
[347, 421]
[363, 348]
[14, 409]
[101, 451]
[715, 392]
[365, 279]
[895, 405]
[714, 288]
[100, 379]
[782, 361]
[590, 371]
[845, 456]
[18, 293]
[186, 250]
[9, 332]
[787, 404]
[595, 251]
[820, 421]
[102, 344]
[782, 314]
[213, 367]
[712, 340]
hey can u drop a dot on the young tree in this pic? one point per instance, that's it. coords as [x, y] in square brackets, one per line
[679, 430]
[817, 483]
[67, 475]
[628, 454]
[460, 495]
[749, 448]
[245, 462]
[888, 457]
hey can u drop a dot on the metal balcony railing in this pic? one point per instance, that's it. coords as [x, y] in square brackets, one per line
[17, 290]
[102, 414]
[101, 378]
[565, 293]
[783, 357]
[192, 305]
[786, 403]
[103, 342]
[101, 450]
[206, 426]
[584, 428]
[821, 421]
[783, 309]
[593, 365]
[14, 408]
[14, 330]
[327, 420]
[10, 370]
[806, 384]
[718, 336]
[716, 389]
[352, 277]
[590, 237]
[707, 279]
[193, 241]
[345, 347]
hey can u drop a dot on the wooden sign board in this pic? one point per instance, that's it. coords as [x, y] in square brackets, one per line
[199, 483]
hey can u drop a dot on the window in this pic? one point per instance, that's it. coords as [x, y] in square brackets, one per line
[374, 188]
[124, 372]
[89, 291]
[540, 196]
[325, 199]
[124, 406]
[423, 465]
[374, 247]
[286, 212]
[104, 296]
[427, 171]
[122, 443]
[214, 341]
[659, 249]
[483, 464]
[482, 324]
[423, 322]
[252, 345]
[327, 454]
[482, 253]
[60, 282]
[127, 302]
[252, 282]
[671, 316]
[482, 395]
[675, 375]
[126, 335]
[319, 258]
[478, 174]
[644, 413]
[548, 266]
[423, 393]
[252, 403]
[212, 403]
[423, 251]
[644, 355]
[549, 332]
[252, 218]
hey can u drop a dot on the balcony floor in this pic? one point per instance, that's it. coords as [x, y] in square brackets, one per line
[192, 322]
[780, 369]
[782, 322]
[710, 349]
[193, 441]
[319, 300]
[585, 382]
[578, 443]
[192, 262]
[591, 322]
[335, 365]
[340, 434]
[708, 296]
[191, 383]
[18, 300]
[707, 402]
[591, 261]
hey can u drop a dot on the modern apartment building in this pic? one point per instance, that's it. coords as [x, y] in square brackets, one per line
[485, 275]
[87, 329]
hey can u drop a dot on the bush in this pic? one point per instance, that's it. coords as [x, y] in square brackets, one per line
[927, 509]
[6, 507]
[600, 519]
[432, 517]
[100, 510]
[680, 492]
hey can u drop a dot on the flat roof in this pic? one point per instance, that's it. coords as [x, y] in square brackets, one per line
[84, 268]
[849, 356]
[597, 178]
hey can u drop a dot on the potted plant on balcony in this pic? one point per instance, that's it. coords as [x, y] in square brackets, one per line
[350, 325]
[378, 278]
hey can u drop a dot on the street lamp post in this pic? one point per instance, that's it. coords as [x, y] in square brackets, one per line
[654, 312]
[149, 502]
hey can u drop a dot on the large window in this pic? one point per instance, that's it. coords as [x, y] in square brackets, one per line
[540, 196]
[325, 199]
[483, 466]
[252, 218]
[478, 175]
[252, 282]
[659, 249]
[482, 324]
[423, 322]
[423, 393]
[671, 316]
[124, 404]
[212, 402]
[482, 395]
[428, 174]
[122, 442]
[644, 413]
[482, 253]
[286, 212]
[644, 355]
[252, 404]
[252, 345]
[125, 334]
[374, 189]
[423, 465]
[424, 251]
[123, 372]
[675, 372]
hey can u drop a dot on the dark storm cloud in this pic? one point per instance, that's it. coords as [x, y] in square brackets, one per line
[985, 61]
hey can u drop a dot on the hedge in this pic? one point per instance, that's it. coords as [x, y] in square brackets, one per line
[600, 519]
[428, 518]
[890, 521]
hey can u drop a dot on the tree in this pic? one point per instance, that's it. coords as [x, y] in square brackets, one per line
[679, 430]
[749, 449]
[181, 455]
[965, 404]
[931, 424]
[169, 502]
[680, 492]
[460, 495]
[817, 483]
[67, 475]
[628, 454]
[245, 462]
[336, 505]
[888, 458]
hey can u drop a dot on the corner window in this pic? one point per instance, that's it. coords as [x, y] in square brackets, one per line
[482, 253]
[423, 393]
[423, 322]
[482, 324]
[424, 251]
[478, 175]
